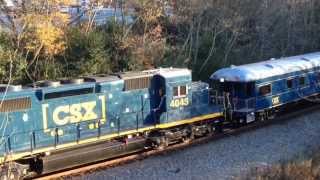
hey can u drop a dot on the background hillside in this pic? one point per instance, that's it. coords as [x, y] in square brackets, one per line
[40, 41]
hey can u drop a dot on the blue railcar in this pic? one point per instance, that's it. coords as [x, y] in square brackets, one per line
[256, 91]
[52, 117]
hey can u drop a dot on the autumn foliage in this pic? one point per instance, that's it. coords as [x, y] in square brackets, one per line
[39, 41]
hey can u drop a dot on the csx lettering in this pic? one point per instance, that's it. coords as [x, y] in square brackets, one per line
[74, 113]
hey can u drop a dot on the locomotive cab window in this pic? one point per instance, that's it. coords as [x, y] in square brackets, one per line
[183, 90]
[175, 91]
[264, 90]
[180, 91]
[289, 83]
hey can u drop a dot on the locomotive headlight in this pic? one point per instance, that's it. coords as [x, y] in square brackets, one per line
[25, 117]
[222, 80]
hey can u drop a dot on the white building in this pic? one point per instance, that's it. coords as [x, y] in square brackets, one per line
[82, 3]
[86, 3]
[9, 3]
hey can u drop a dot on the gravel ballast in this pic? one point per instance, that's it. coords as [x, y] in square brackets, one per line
[227, 157]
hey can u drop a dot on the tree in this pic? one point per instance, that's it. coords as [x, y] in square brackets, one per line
[37, 31]
[87, 54]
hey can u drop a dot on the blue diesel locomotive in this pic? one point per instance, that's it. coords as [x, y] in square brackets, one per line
[51, 123]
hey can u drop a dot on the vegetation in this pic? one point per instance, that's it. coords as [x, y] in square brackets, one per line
[301, 168]
[40, 42]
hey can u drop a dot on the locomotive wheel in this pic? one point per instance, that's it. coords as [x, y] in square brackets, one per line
[236, 124]
[189, 137]
[263, 116]
[13, 174]
[218, 128]
[186, 139]
[9, 172]
[210, 129]
[164, 142]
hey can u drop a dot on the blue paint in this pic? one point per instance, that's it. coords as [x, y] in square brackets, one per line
[124, 109]
[253, 76]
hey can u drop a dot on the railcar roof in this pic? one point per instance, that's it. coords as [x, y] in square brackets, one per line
[266, 69]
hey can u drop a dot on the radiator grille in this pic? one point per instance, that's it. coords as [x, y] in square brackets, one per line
[137, 83]
[18, 104]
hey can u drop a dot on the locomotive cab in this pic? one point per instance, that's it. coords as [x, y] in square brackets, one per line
[172, 95]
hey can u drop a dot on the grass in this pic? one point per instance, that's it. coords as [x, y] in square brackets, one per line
[304, 167]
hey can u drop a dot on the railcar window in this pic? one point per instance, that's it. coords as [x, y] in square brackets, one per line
[68, 93]
[249, 89]
[264, 90]
[289, 83]
[302, 81]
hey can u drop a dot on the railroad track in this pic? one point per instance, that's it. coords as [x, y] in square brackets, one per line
[296, 111]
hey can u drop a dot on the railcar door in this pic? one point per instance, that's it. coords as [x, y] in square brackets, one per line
[236, 96]
[158, 98]
[222, 89]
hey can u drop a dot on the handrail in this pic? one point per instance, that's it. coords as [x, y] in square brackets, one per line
[232, 102]
[216, 98]
[75, 130]
[238, 103]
